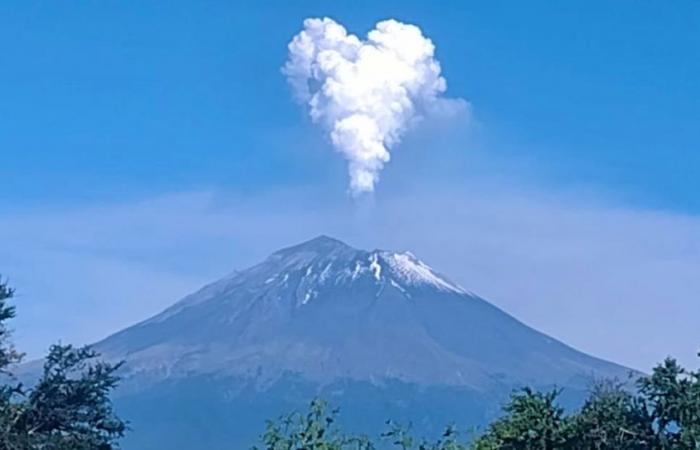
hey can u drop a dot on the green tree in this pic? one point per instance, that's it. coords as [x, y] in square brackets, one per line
[532, 421]
[671, 394]
[664, 414]
[315, 430]
[8, 353]
[68, 408]
[611, 419]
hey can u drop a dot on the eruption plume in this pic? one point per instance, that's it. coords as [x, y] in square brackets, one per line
[366, 93]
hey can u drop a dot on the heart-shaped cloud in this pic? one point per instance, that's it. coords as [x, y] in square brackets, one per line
[366, 93]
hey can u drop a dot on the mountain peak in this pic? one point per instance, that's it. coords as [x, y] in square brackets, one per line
[325, 259]
[319, 244]
[364, 325]
[326, 312]
[324, 240]
[321, 248]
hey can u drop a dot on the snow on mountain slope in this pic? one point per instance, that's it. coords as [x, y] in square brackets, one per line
[378, 333]
[325, 311]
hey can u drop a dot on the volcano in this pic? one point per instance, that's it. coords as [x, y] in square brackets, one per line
[378, 333]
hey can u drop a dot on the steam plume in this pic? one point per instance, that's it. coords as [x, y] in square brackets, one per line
[366, 93]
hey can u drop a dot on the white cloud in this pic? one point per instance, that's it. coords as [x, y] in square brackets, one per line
[366, 94]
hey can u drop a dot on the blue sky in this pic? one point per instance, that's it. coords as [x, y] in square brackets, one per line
[588, 109]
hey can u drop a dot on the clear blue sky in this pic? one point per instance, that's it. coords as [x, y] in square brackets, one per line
[113, 98]
[110, 102]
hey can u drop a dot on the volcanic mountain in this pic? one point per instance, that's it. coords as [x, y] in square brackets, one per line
[380, 334]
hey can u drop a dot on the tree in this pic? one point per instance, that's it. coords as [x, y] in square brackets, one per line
[611, 419]
[663, 414]
[68, 408]
[315, 430]
[8, 353]
[671, 394]
[532, 421]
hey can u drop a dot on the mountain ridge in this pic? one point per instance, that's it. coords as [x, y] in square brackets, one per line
[283, 306]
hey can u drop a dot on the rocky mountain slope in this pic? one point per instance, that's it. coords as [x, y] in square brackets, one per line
[380, 333]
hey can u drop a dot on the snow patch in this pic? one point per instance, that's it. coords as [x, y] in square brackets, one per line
[357, 271]
[324, 274]
[414, 272]
[374, 266]
[308, 296]
[398, 286]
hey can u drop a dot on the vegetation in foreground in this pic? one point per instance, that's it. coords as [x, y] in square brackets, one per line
[664, 414]
[69, 406]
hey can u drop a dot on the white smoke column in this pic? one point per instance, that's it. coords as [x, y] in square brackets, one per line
[366, 93]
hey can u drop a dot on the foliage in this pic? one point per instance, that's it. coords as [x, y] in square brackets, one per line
[663, 414]
[532, 421]
[314, 430]
[672, 397]
[8, 353]
[317, 430]
[612, 418]
[68, 408]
